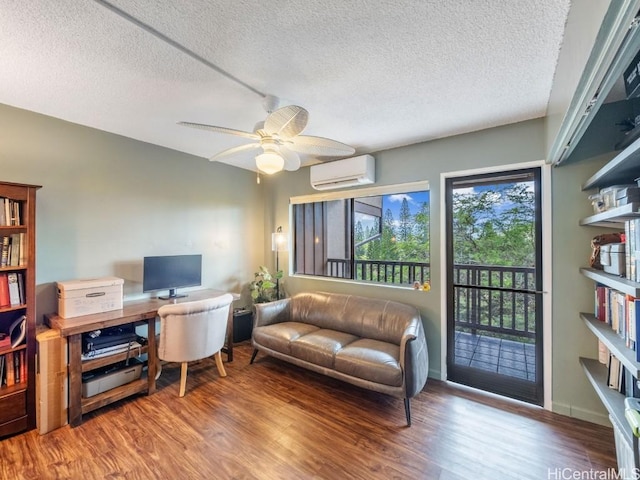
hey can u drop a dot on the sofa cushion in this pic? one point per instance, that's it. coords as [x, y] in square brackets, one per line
[371, 360]
[374, 318]
[279, 336]
[320, 347]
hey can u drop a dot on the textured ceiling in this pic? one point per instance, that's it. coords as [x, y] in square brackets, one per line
[374, 74]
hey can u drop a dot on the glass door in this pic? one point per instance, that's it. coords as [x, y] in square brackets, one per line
[494, 281]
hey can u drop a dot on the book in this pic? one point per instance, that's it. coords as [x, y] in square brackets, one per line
[23, 299]
[23, 365]
[16, 367]
[4, 251]
[14, 250]
[7, 212]
[5, 341]
[603, 353]
[631, 248]
[614, 373]
[14, 291]
[10, 369]
[4, 291]
[631, 313]
[22, 260]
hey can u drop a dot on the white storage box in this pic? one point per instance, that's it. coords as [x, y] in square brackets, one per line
[84, 297]
[612, 258]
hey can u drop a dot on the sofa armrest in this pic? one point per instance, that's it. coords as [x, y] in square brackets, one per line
[414, 358]
[272, 312]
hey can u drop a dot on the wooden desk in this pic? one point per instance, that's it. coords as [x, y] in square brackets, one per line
[137, 311]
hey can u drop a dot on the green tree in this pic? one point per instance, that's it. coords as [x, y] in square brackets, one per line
[495, 226]
[405, 225]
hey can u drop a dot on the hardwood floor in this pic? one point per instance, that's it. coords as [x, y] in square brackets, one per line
[271, 420]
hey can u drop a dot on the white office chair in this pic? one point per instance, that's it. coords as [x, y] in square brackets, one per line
[192, 331]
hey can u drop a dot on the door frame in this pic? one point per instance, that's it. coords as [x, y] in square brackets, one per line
[547, 324]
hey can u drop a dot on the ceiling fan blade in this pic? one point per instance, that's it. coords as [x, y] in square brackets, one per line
[291, 159]
[234, 150]
[286, 122]
[320, 146]
[212, 128]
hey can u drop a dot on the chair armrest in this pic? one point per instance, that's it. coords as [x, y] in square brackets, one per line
[272, 312]
[414, 358]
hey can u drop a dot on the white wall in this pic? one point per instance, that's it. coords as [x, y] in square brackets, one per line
[107, 201]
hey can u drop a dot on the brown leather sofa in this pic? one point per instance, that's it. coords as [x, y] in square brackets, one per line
[372, 343]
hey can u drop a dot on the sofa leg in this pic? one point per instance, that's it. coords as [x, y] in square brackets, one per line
[253, 357]
[407, 411]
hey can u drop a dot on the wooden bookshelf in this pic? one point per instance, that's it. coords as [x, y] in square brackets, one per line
[18, 401]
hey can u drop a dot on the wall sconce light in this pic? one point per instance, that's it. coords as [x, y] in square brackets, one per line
[279, 243]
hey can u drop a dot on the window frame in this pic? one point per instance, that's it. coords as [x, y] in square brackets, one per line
[418, 186]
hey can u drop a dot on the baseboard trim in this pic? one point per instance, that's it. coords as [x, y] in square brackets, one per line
[582, 414]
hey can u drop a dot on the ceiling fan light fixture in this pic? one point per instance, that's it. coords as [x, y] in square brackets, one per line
[269, 162]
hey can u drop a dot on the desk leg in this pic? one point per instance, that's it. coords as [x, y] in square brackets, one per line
[152, 357]
[75, 380]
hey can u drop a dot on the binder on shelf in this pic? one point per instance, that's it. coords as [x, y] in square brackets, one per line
[14, 291]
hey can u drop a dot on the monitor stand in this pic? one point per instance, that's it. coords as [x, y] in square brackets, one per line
[173, 293]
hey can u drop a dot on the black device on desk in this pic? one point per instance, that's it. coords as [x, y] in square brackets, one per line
[108, 337]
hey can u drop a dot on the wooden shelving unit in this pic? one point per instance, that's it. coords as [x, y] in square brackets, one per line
[18, 401]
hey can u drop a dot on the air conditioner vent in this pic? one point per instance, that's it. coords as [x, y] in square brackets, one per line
[349, 172]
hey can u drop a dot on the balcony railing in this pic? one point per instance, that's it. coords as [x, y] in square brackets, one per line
[484, 294]
[380, 271]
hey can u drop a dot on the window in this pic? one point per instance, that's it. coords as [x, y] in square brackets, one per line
[381, 235]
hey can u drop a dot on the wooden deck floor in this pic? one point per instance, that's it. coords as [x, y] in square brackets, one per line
[507, 357]
[271, 420]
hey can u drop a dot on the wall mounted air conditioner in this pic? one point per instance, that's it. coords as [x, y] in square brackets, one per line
[343, 173]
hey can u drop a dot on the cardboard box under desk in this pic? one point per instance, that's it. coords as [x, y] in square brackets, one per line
[51, 380]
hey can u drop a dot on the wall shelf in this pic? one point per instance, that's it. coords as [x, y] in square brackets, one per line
[613, 218]
[612, 399]
[613, 342]
[623, 168]
[614, 281]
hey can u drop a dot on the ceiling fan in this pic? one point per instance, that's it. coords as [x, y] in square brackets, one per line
[280, 140]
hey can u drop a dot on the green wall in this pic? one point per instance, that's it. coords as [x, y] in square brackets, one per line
[507, 145]
[107, 201]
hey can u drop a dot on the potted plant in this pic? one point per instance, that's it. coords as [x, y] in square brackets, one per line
[265, 287]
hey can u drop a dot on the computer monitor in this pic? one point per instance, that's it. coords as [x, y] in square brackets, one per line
[171, 272]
